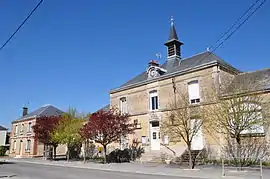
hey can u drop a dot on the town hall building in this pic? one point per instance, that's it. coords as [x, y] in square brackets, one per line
[146, 97]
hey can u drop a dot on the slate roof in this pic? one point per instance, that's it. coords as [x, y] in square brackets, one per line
[251, 81]
[173, 34]
[105, 108]
[183, 65]
[3, 128]
[47, 110]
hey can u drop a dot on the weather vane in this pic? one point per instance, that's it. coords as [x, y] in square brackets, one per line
[158, 55]
[172, 20]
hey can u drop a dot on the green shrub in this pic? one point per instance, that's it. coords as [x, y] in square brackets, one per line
[3, 150]
[266, 163]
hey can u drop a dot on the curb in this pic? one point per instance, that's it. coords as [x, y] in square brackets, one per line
[116, 170]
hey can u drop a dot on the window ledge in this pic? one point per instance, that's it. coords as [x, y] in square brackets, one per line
[155, 110]
[253, 135]
[194, 104]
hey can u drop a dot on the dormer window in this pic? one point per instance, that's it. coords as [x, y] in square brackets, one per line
[154, 70]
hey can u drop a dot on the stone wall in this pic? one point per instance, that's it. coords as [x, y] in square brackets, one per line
[138, 102]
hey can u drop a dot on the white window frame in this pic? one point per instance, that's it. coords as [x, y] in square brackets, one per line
[16, 129]
[22, 128]
[28, 145]
[193, 93]
[153, 94]
[258, 129]
[29, 127]
[123, 105]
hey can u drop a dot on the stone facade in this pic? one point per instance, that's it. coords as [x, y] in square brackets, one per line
[138, 105]
[3, 136]
[22, 137]
[211, 74]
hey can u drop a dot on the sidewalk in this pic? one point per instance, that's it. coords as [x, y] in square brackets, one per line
[151, 169]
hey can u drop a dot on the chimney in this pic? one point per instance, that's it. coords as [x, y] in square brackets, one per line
[25, 111]
[153, 63]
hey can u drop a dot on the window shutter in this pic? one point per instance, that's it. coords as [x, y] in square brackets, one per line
[193, 90]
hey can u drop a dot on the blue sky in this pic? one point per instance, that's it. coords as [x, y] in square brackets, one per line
[72, 53]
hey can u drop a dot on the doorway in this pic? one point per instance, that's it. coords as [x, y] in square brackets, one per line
[197, 141]
[155, 135]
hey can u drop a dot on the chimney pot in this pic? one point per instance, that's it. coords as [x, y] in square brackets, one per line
[25, 111]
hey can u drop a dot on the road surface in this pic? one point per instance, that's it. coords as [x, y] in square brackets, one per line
[36, 171]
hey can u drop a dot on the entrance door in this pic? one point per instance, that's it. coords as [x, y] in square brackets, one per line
[197, 141]
[155, 135]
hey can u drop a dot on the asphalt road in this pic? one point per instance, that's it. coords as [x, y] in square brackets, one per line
[36, 171]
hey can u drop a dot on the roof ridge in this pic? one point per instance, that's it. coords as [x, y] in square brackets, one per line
[46, 107]
[194, 55]
[248, 72]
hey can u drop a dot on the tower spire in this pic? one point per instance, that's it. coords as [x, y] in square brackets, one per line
[173, 44]
[173, 34]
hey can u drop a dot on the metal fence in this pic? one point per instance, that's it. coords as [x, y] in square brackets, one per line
[242, 164]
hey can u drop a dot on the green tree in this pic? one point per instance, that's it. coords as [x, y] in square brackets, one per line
[67, 132]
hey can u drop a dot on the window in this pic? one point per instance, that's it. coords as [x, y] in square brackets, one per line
[250, 117]
[14, 145]
[22, 128]
[29, 127]
[28, 145]
[123, 105]
[153, 100]
[194, 92]
[155, 124]
[16, 130]
[154, 135]
[137, 125]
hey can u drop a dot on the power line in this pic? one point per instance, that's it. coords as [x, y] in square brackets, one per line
[236, 22]
[240, 25]
[237, 28]
[25, 20]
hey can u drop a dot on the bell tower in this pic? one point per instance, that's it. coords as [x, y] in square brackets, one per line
[173, 44]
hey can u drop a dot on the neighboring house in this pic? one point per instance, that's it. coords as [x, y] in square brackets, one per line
[3, 136]
[22, 137]
[146, 97]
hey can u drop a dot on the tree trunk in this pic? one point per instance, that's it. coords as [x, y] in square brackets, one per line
[68, 148]
[238, 152]
[84, 152]
[190, 156]
[45, 152]
[105, 153]
[54, 151]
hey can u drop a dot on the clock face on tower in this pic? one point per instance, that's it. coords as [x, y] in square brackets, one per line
[152, 72]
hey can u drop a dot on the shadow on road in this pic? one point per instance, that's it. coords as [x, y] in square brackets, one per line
[5, 162]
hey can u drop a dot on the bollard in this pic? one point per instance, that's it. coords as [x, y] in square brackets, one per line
[223, 169]
[261, 175]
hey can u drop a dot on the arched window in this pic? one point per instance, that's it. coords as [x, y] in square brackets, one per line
[247, 117]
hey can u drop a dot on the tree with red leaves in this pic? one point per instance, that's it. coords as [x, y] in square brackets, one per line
[106, 127]
[43, 129]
